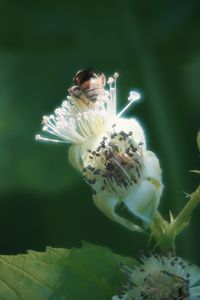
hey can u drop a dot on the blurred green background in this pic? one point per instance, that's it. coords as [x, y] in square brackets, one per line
[155, 46]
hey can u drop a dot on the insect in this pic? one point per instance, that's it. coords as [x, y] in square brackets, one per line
[88, 85]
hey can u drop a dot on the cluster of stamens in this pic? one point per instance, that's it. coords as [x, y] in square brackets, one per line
[116, 163]
[80, 117]
[165, 285]
[159, 278]
[75, 121]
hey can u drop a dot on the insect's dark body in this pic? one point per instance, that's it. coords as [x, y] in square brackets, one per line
[88, 85]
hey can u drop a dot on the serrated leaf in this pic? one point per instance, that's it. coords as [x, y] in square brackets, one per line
[91, 272]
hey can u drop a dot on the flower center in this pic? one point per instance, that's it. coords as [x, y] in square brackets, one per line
[115, 164]
[165, 285]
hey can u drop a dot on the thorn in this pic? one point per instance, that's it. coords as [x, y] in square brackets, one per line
[186, 195]
[149, 240]
[171, 217]
[195, 171]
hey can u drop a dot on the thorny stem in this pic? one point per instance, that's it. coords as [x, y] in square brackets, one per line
[165, 233]
[182, 220]
[159, 228]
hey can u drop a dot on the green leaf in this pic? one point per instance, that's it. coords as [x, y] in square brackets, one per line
[61, 274]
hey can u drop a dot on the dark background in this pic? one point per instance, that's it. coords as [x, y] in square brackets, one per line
[155, 46]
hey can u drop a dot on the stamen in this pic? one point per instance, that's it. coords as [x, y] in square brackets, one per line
[112, 81]
[134, 96]
[38, 137]
[75, 120]
[116, 75]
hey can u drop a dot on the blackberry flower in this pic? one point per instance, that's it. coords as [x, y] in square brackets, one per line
[161, 278]
[108, 150]
[122, 173]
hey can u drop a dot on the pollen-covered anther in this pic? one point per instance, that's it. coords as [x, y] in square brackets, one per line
[110, 80]
[38, 137]
[116, 75]
[116, 163]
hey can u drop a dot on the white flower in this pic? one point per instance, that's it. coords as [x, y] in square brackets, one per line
[121, 172]
[160, 278]
[108, 150]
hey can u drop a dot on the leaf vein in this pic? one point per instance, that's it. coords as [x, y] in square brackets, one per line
[43, 262]
[26, 273]
[56, 253]
[11, 288]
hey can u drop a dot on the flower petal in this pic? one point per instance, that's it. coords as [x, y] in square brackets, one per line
[143, 200]
[128, 125]
[107, 204]
[195, 291]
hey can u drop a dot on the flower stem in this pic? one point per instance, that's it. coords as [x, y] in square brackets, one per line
[159, 229]
[165, 233]
[182, 220]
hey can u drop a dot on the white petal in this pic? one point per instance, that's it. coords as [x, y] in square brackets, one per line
[142, 200]
[194, 274]
[78, 153]
[130, 125]
[195, 291]
[107, 204]
[152, 167]
[75, 156]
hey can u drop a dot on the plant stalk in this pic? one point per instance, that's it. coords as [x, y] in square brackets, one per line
[165, 233]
